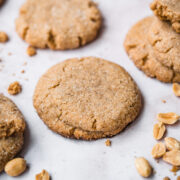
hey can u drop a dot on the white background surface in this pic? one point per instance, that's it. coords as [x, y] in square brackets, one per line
[67, 159]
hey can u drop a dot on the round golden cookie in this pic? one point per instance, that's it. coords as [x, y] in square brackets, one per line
[141, 52]
[166, 44]
[58, 24]
[87, 98]
[168, 10]
[12, 126]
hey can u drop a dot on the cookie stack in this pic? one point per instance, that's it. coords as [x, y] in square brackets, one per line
[154, 42]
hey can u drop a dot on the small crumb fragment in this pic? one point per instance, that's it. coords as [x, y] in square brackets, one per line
[166, 178]
[0, 60]
[175, 169]
[176, 89]
[44, 175]
[23, 71]
[14, 88]
[25, 63]
[164, 101]
[108, 142]
[3, 37]
[31, 51]
[9, 53]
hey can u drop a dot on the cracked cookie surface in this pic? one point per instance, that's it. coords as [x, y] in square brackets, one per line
[12, 126]
[168, 10]
[141, 52]
[58, 24]
[166, 44]
[87, 98]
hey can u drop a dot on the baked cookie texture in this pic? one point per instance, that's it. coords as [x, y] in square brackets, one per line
[12, 126]
[168, 10]
[58, 24]
[141, 52]
[87, 98]
[166, 44]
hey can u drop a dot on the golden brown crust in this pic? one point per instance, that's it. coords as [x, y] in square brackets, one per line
[168, 10]
[166, 44]
[58, 24]
[87, 98]
[12, 126]
[140, 51]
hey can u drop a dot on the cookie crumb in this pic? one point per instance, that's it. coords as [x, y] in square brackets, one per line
[166, 178]
[31, 51]
[44, 175]
[23, 71]
[9, 53]
[178, 178]
[14, 88]
[164, 101]
[175, 169]
[108, 142]
[3, 37]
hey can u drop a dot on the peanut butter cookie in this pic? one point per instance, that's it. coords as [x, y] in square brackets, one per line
[166, 44]
[58, 24]
[168, 10]
[12, 126]
[87, 98]
[141, 52]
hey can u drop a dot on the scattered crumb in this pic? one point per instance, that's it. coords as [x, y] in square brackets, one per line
[175, 169]
[26, 79]
[3, 37]
[9, 53]
[23, 71]
[0, 60]
[178, 178]
[31, 51]
[25, 64]
[164, 101]
[14, 88]
[166, 178]
[44, 175]
[108, 142]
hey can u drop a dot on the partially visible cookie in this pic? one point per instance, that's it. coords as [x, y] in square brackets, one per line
[12, 126]
[166, 44]
[58, 24]
[168, 10]
[87, 98]
[141, 52]
[1, 1]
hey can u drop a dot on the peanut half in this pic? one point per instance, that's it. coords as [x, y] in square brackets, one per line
[168, 118]
[15, 167]
[159, 130]
[172, 157]
[172, 143]
[176, 89]
[143, 167]
[44, 175]
[158, 150]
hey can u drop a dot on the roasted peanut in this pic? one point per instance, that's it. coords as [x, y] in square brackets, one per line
[168, 118]
[143, 167]
[15, 167]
